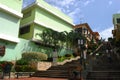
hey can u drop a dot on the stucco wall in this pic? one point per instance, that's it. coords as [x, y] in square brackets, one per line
[13, 4]
[30, 18]
[14, 50]
[37, 30]
[51, 21]
[9, 25]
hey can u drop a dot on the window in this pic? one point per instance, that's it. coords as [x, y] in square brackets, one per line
[84, 30]
[25, 29]
[2, 50]
[78, 30]
[118, 20]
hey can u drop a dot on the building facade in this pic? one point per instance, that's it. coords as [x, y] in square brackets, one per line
[97, 36]
[10, 17]
[39, 16]
[86, 31]
[17, 35]
[116, 23]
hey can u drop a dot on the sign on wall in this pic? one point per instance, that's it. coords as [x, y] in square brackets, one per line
[2, 50]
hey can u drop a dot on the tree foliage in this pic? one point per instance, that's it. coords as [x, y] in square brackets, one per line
[61, 39]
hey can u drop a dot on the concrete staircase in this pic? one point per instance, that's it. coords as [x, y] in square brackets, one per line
[59, 71]
[53, 72]
[104, 68]
[103, 75]
[108, 71]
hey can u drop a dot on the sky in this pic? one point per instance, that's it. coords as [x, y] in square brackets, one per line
[97, 13]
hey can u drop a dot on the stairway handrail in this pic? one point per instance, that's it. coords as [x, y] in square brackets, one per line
[98, 48]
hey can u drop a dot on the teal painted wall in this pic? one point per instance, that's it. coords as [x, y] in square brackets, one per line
[13, 4]
[9, 25]
[9, 52]
[13, 51]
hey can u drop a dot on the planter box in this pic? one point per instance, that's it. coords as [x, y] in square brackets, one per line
[43, 66]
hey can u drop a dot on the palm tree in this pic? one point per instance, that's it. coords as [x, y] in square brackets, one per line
[46, 36]
[61, 39]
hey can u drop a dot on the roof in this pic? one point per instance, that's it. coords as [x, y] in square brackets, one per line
[96, 33]
[11, 11]
[51, 10]
[84, 24]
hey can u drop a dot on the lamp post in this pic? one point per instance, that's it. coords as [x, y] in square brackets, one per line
[80, 44]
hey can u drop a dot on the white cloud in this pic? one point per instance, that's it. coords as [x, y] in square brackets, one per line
[110, 2]
[61, 2]
[118, 11]
[70, 7]
[74, 12]
[57, 7]
[105, 34]
[86, 3]
[67, 2]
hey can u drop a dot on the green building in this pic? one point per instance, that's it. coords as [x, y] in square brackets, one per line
[116, 23]
[40, 15]
[10, 17]
[17, 30]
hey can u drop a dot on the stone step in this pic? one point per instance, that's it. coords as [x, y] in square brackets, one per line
[61, 71]
[95, 68]
[103, 78]
[103, 75]
[52, 73]
[58, 68]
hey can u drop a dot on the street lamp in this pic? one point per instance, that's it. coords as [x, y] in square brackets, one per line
[80, 44]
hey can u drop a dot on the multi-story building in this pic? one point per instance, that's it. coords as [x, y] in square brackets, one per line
[116, 31]
[97, 36]
[86, 31]
[40, 15]
[10, 15]
[17, 37]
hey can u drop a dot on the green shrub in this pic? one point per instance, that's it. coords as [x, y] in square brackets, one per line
[34, 56]
[22, 62]
[61, 58]
[65, 57]
[24, 68]
[28, 58]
